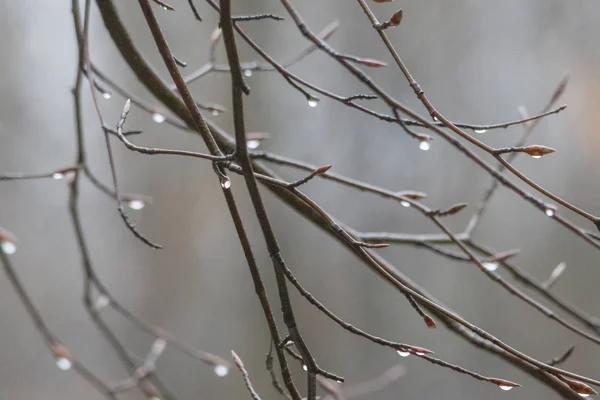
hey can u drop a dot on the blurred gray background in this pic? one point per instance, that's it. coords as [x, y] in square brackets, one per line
[477, 60]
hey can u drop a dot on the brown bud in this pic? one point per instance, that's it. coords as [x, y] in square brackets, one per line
[413, 195]
[420, 350]
[396, 18]
[430, 322]
[537, 151]
[7, 236]
[370, 62]
[452, 210]
[581, 388]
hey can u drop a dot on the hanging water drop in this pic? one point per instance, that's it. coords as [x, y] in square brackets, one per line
[403, 353]
[57, 175]
[480, 130]
[550, 211]
[158, 118]
[405, 203]
[225, 182]
[64, 363]
[214, 112]
[435, 119]
[101, 302]
[505, 388]
[136, 204]
[490, 265]
[8, 247]
[248, 72]
[312, 102]
[106, 95]
[584, 394]
[536, 156]
[424, 145]
[221, 370]
[420, 353]
[304, 367]
[253, 144]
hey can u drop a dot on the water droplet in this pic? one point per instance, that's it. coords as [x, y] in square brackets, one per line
[480, 130]
[253, 144]
[225, 182]
[221, 370]
[403, 353]
[165, 8]
[435, 119]
[550, 211]
[106, 95]
[424, 145]
[248, 72]
[420, 353]
[64, 363]
[505, 388]
[405, 203]
[584, 394]
[312, 102]
[490, 265]
[536, 156]
[8, 247]
[339, 381]
[214, 112]
[58, 175]
[304, 367]
[158, 118]
[101, 302]
[136, 204]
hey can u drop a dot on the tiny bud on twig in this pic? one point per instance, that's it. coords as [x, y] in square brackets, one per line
[164, 5]
[316, 172]
[556, 273]
[450, 211]
[535, 151]
[503, 256]
[581, 388]
[396, 18]
[430, 322]
[563, 357]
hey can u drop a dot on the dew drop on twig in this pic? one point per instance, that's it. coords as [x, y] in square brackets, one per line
[64, 363]
[225, 182]
[403, 353]
[490, 265]
[424, 145]
[158, 118]
[253, 144]
[136, 204]
[221, 370]
[8, 247]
